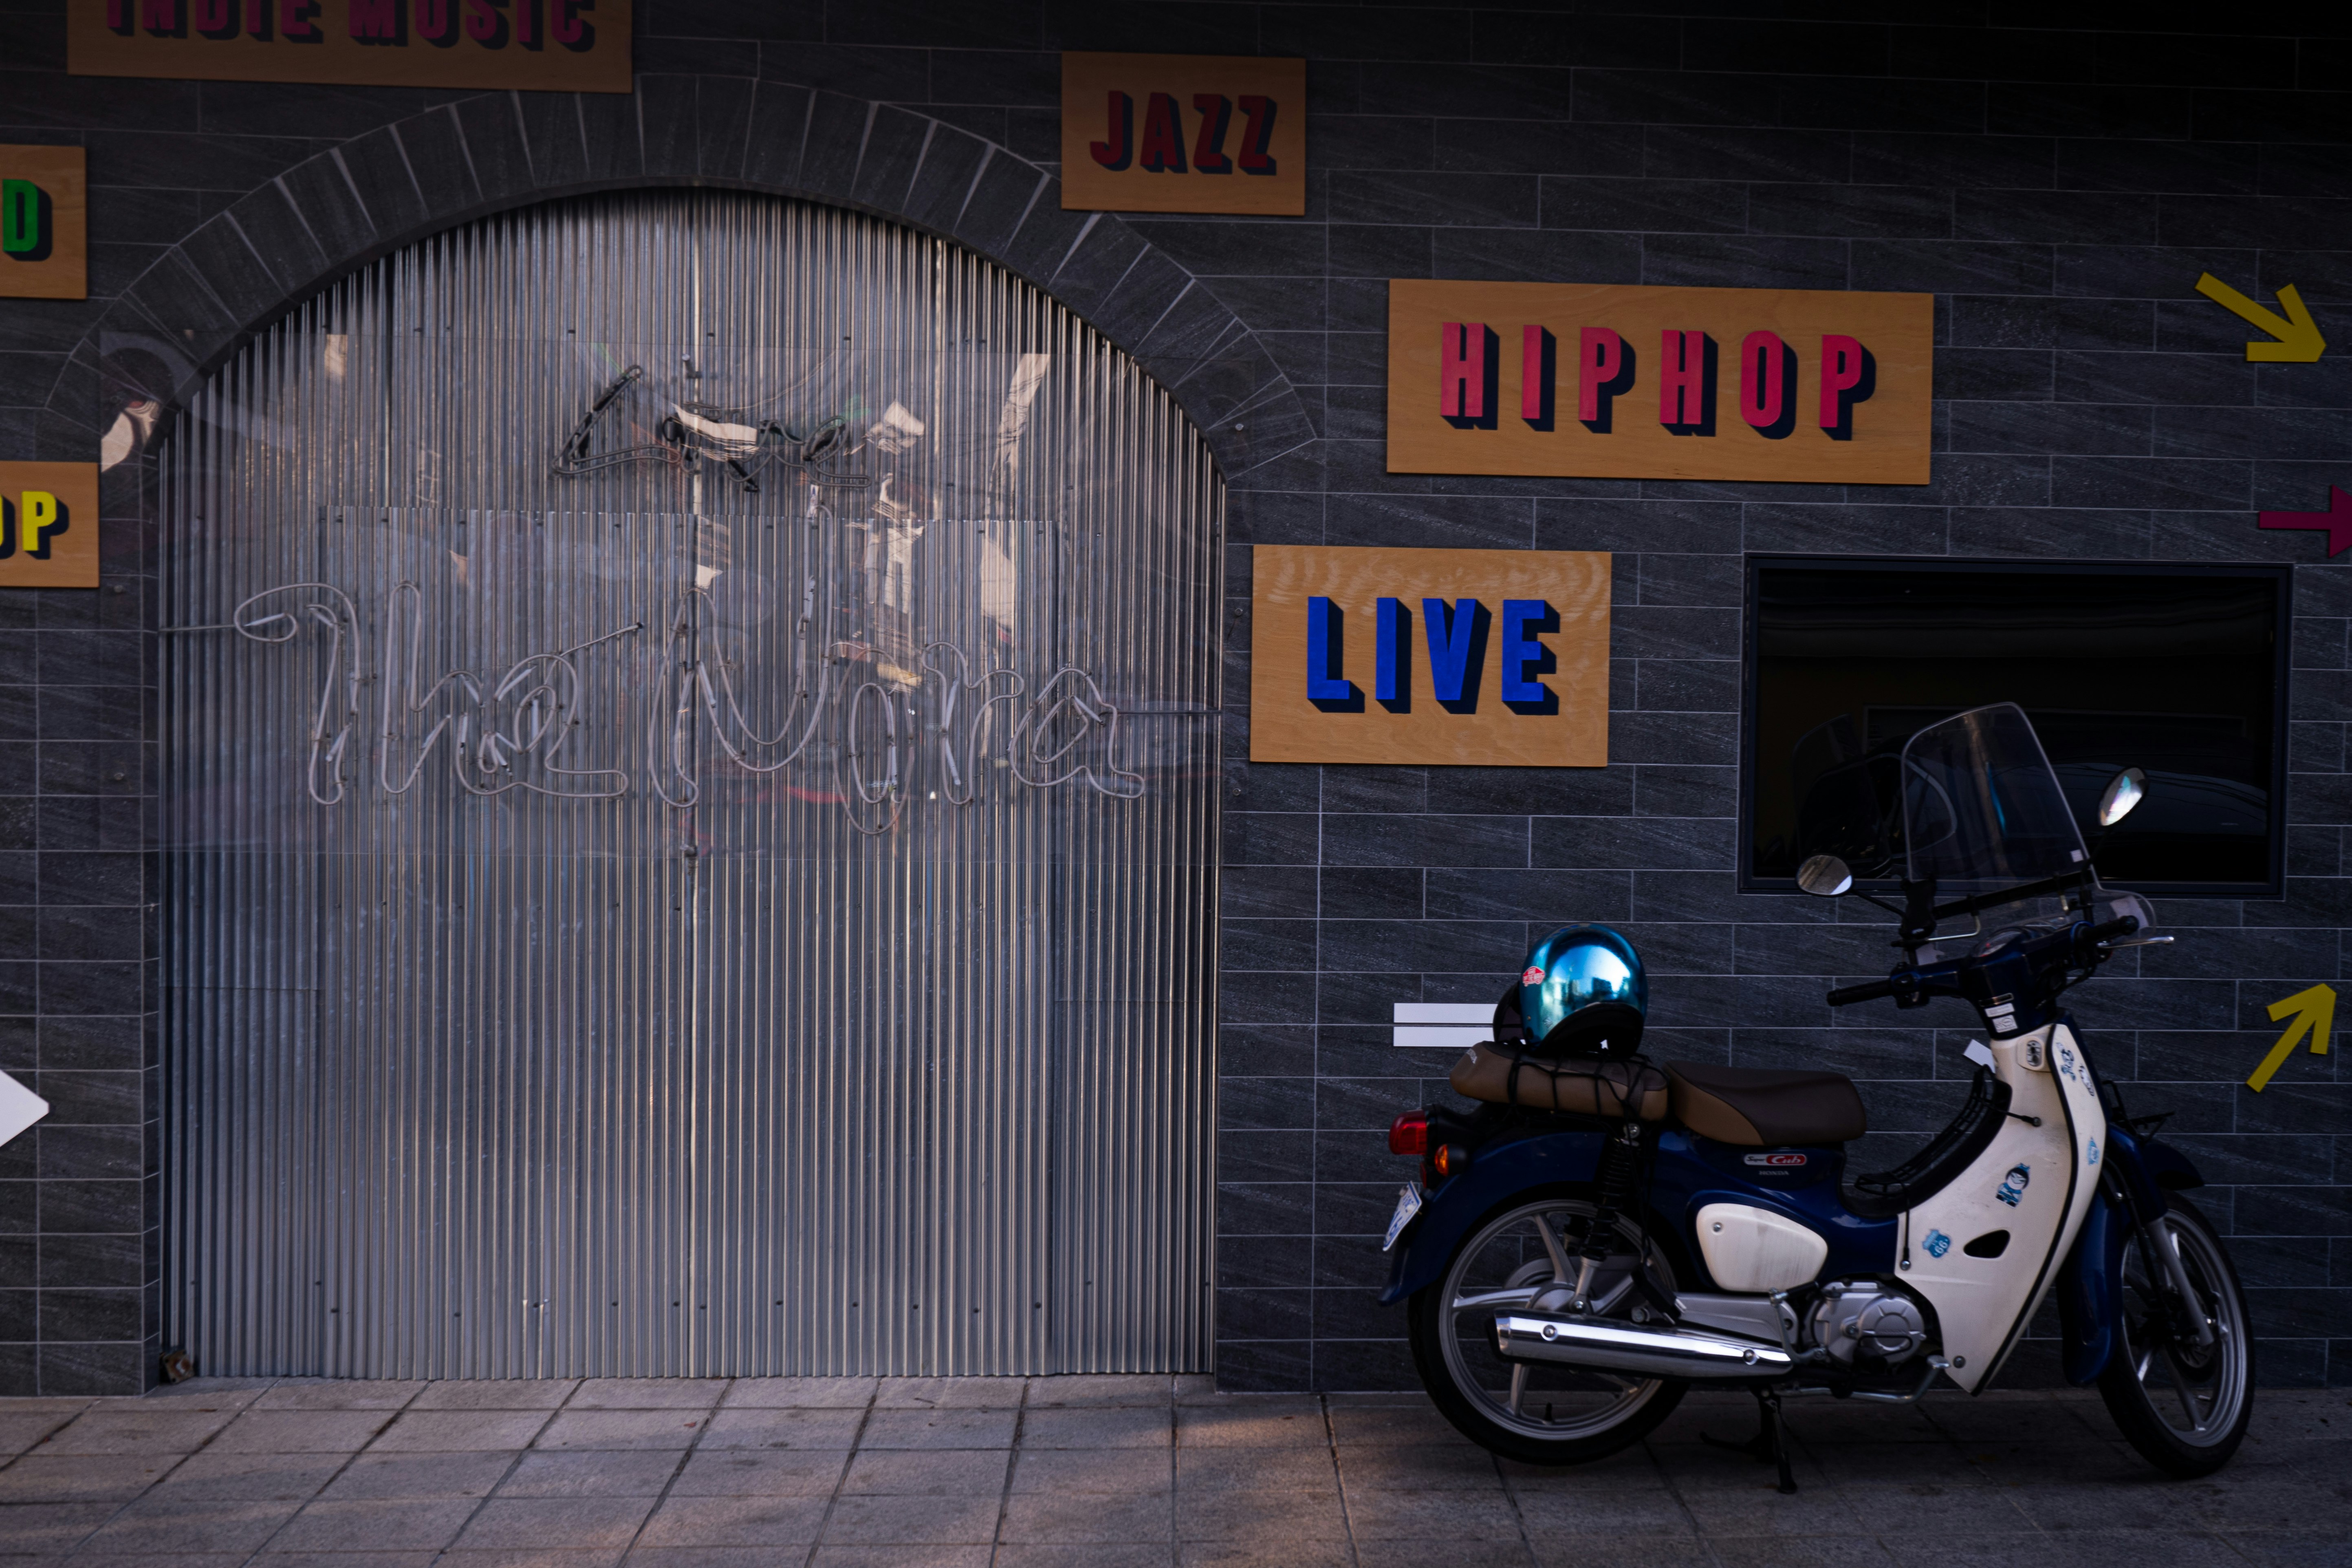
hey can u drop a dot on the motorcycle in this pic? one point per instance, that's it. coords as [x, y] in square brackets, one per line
[1603, 1234]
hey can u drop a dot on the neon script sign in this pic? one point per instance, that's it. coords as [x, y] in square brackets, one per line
[1637, 382]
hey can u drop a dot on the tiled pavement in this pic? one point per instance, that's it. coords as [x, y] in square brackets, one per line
[1103, 1473]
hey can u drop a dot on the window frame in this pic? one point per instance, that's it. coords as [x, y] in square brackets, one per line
[2279, 574]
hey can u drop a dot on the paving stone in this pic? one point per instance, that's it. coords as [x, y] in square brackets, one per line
[761, 1472]
[927, 1520]
[379, 1473]
[624, 1429]
[783, 1427]
[1073, 1470]
[83, 1477]
[44, 1528]
[115, 1430]
[255, 1478]
[763, 1521]
[1388, 1514]
[646, 1394]
[628, 1472]
[568, 1523]
[300, 1431]
[1244, 1423]
[338, 1394]
[444, 1431]
[1251, 1515]
[1116, 1427]
[163, 1522]
[949, 1427]
[1069, 1519]
[801, 1392]
[949, 1392]
[1048, 1393]
[516, 1394]
[962, 1472]
[903, 1556]
[376, 1524]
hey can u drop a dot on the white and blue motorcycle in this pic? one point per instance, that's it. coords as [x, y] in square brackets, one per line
[1602, 1234]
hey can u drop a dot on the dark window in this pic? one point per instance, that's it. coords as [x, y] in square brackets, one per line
[2180, 670]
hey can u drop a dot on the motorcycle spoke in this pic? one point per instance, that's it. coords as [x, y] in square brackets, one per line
[1517, 1297]
[1518, 1386]
[1552, 1245]
[2180, 1386]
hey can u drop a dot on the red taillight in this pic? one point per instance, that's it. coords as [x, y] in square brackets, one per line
[1409, 1134]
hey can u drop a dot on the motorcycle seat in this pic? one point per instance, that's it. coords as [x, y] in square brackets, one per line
[1764, 1108]
[1582, 1087]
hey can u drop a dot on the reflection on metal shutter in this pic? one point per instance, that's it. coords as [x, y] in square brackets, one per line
[732, 894]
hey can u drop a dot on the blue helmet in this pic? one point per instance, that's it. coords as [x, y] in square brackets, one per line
[1582, 992]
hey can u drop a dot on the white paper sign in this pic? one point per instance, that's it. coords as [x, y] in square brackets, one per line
[19, 1108]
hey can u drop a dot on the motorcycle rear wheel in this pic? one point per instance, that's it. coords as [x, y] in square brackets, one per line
[2185, 1407]
[1539, 1415]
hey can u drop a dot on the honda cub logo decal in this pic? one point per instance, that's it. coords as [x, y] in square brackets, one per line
[1782, 1161]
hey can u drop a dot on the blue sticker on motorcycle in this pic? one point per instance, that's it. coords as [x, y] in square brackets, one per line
[1937, 1244]
[2095, 1152]
[2012, 1186]
[2065, 1063]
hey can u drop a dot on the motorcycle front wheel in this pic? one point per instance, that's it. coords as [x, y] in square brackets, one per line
[2183, 1404]
[1539, 1415]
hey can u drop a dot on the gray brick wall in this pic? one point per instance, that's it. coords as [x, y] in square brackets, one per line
[2089, 405]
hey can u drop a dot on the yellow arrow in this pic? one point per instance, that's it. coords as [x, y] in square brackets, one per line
[2299, 342]
[2314, 1013]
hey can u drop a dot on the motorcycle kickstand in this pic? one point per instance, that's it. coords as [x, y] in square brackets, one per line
[1771, 1441]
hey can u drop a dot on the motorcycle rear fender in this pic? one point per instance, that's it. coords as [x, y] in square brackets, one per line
[1456, 1205]
[2090, 1285]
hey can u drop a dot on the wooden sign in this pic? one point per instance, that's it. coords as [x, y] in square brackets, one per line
[44, 224]
[1624, 382]
[1434, 657]
[551, 45]
[1183, 133]
[48, 525]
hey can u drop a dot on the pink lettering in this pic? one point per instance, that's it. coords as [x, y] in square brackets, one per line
[1462, 370]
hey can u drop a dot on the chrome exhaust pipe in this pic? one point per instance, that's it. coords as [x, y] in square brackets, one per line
[1604, 1345]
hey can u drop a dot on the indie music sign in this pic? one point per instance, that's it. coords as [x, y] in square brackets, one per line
[1620, 381]
[555, 46]
[1183, 133]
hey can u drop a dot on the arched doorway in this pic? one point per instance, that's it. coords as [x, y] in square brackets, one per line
[691, 755]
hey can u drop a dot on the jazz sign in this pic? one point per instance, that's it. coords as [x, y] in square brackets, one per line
[1429, 657]
[1611, 380]
[1183, 133]
[554, 46]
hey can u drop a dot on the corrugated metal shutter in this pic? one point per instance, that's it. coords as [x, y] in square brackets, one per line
[743, 904]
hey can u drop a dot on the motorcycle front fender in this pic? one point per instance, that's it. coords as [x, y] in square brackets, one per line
[1455, 1206]
[2090, 1285]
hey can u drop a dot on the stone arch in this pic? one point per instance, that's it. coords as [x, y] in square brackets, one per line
[390, 186]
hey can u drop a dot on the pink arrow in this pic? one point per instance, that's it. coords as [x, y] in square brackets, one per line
[2336, 520]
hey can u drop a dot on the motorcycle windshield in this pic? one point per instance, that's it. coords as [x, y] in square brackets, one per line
[1981, 805]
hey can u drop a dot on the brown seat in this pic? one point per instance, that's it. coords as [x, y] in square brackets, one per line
[1759, 1107]
[1584, 1088]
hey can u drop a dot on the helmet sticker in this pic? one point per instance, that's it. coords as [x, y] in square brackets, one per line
[2012, 1186]
[1534, 976]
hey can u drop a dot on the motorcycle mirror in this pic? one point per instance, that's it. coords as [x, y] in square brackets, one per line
[1824, 877]
[2125, 791]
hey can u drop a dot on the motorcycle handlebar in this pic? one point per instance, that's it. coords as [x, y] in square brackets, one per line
[2124, 925]
[1904, 982]
[1869, 992]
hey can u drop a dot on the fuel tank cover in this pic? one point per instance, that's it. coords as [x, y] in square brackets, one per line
[1752, 1249]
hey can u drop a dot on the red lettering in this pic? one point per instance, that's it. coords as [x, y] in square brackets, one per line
[1256, 135]
[435, 22]
[1763, 379]
[1462, 370]
[1600, 357]
[486, 24]
[566, 27]
[257, 18]
[1209, 152]
[1682, 378]
[526, 15]
[1162, 146]
[374, 19]
[1841, 360]
[1535, 385]
[1118, 150]
[213, 18]
[160, 18]
[294, 23]
[119, 16]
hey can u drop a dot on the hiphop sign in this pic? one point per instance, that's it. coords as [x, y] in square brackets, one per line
[1628, 382]
[44, 224]
[1183, 133]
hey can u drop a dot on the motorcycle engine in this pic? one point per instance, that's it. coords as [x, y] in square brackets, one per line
[1862, 1320]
